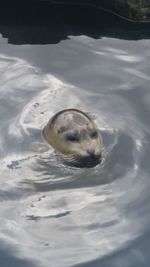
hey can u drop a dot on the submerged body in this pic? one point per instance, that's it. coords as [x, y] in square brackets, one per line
[75, 136]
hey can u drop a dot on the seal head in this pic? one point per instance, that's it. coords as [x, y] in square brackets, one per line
[75, 136]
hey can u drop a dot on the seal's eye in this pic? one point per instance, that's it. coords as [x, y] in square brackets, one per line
[72, 137]
[93, 134]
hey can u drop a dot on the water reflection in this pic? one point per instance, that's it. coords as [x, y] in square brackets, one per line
[54, 213]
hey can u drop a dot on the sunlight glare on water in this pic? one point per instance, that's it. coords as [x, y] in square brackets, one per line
[51, 213]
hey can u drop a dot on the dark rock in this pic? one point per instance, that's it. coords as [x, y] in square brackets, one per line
[136, 10]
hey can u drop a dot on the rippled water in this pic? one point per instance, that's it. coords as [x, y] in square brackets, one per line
[54, 215]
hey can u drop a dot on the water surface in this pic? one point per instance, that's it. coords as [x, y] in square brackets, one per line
[53, 215]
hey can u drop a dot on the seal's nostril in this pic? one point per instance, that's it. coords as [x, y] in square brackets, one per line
[91, 152]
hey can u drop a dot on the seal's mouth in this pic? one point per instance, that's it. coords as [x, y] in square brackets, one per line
[88, 161]
[83, 161]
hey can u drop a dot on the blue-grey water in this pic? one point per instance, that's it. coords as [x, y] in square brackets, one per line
[54, 215]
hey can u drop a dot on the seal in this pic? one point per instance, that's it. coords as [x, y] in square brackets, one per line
[76, 137]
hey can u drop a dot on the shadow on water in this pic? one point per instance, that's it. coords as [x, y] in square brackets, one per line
[8, 259]
[41, 22]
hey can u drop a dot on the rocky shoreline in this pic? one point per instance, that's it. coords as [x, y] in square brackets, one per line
[136, 10]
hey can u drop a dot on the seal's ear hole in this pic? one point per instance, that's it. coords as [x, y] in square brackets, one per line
[93, 133]
[61, 129]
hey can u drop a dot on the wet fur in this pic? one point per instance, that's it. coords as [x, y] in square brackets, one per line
[72, 153]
